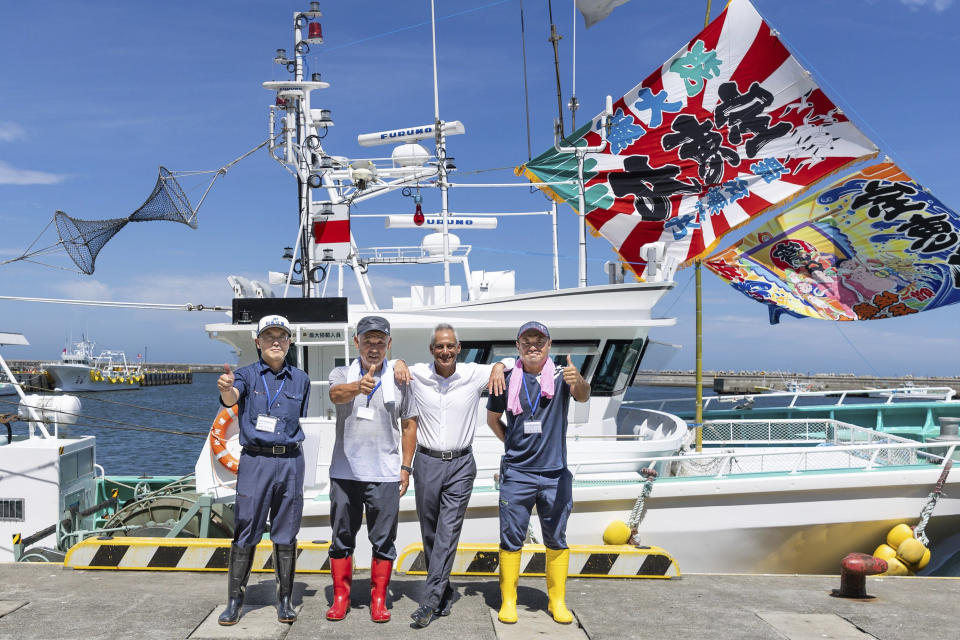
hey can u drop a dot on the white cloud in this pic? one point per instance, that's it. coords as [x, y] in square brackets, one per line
[12, 175]
[86, 289]
[937, 5]
[10, 132]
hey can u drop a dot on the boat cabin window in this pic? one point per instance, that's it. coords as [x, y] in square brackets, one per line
[617, 366]
[11, 509]
[474, 352]
[582, 353]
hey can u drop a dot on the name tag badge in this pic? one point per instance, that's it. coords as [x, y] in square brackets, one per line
[365, 413]
[266, 423]
[532, 427]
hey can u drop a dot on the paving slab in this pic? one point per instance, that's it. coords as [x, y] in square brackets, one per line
[9, 606]
[812, 626]
[256, 621]
[536, 624]
[95, 605]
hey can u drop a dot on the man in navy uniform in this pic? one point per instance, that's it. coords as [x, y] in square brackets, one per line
[370, 464]
[272, 397]
[534, 467]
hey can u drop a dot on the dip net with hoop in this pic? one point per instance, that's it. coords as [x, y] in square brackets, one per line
[84, 239]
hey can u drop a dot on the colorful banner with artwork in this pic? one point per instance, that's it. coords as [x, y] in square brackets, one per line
[872, 245]
[726, 129]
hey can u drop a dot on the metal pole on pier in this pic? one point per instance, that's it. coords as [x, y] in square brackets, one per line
[699, 322]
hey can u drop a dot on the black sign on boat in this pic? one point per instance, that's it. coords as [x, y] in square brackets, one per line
[250, 310]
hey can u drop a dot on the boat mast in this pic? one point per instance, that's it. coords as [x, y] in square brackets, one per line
[441, 159]
[699, 321]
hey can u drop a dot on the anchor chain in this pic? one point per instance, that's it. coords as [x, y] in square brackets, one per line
[931, 504]
[640, 507]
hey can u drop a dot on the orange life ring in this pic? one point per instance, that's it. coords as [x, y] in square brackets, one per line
[218, 438]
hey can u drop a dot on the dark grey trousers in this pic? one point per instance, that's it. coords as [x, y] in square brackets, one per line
[349, 499]
[442, 491]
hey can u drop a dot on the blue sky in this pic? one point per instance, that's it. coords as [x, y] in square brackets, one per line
[94, 96]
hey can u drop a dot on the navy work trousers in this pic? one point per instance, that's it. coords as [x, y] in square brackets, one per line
[550, 491]
[349, 499]
[269, 485]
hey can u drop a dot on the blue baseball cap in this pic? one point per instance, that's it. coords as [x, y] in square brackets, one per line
[536, 326]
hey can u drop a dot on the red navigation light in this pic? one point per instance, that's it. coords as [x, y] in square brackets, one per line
[315, 31]
[418, 218]
[281, 102]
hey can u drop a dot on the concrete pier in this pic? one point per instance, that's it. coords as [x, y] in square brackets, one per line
[43, 601]
[753, 382]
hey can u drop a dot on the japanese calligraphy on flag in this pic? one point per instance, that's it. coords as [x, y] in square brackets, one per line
[872, 245]
[728, 128]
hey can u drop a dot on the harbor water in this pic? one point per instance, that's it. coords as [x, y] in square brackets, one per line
[160, 430]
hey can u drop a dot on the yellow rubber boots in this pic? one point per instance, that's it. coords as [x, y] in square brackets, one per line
[558, 561]
[509, 575]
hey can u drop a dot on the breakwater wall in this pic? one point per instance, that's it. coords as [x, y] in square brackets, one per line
[31, 375]
[752, 382]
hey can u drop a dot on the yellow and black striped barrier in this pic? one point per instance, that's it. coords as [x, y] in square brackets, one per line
[586, 561]
[183, 554]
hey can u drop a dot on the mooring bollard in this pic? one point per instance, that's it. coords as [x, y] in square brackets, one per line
[854, 569]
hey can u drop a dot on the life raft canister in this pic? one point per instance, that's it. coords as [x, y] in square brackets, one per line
[218, 438]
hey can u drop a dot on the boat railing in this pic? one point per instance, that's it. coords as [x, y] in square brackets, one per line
[840, 447]
[403, 255]
[791, 399]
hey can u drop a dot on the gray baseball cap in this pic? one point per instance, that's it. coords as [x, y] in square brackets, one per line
[373, 323]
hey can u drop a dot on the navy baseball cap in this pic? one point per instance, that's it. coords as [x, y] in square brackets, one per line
[373, 323]
[536, 326]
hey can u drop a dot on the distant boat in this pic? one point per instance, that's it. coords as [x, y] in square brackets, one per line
[79, 370]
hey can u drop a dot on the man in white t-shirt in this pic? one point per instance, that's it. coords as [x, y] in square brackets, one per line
[447, 395]
[370, 466]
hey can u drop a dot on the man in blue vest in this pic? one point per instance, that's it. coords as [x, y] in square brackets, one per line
[271, 396]
[534, 467]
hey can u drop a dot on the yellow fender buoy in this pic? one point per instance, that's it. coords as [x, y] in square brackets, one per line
[885, 552]
[896, 568]
[617, 532]
[898, 534]
[911, 551]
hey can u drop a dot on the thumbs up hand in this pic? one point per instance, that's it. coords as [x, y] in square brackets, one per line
[570, 373]
[367, 383]
[225, 381]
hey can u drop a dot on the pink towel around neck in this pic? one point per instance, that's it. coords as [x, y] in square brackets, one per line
[516, 381]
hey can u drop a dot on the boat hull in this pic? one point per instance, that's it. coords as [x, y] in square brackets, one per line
[769, 524]
[71, 378]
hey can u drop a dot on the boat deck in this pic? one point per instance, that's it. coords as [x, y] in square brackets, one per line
[48, 601]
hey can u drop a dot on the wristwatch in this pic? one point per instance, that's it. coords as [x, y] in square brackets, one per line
[404, 467]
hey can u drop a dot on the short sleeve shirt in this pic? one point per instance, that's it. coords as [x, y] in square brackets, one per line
[448, 406]
[544, 451]
[284, 395]
[369, 450]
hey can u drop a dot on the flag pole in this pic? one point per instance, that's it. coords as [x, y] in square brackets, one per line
[699, 322]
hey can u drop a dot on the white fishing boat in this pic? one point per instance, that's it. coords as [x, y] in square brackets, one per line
[798, 503]
[762, 496]
[80, 370]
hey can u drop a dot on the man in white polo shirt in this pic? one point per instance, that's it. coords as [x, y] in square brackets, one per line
[447, 395]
